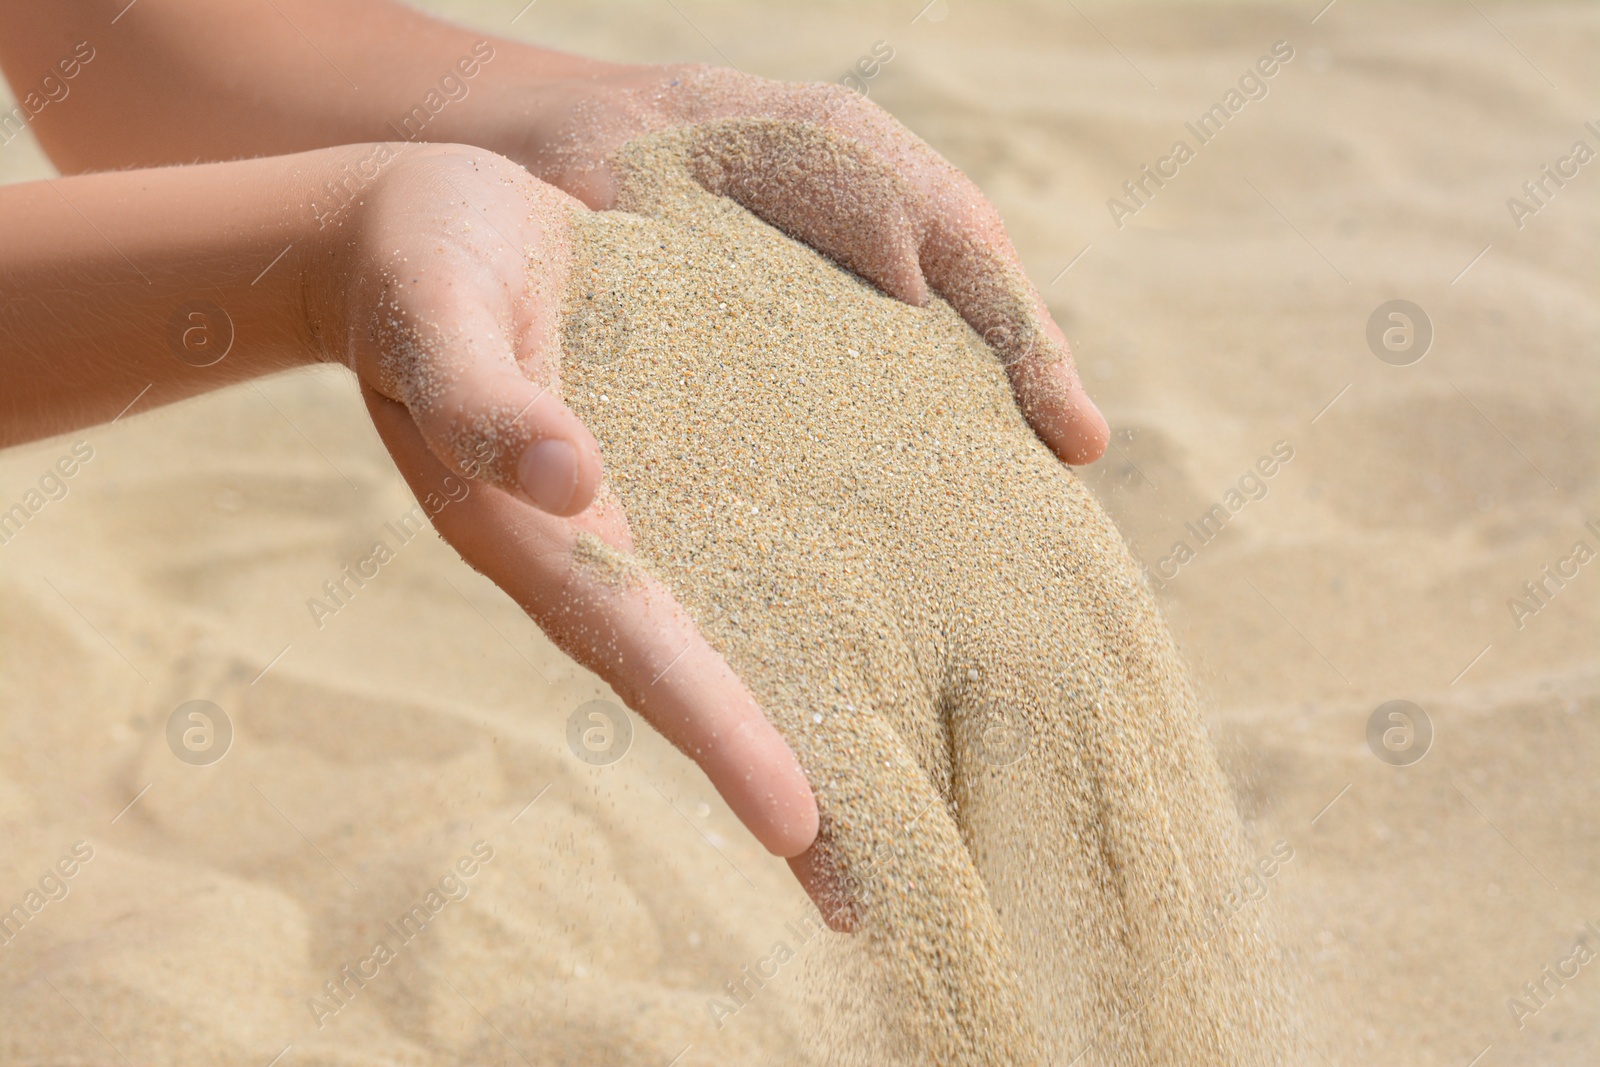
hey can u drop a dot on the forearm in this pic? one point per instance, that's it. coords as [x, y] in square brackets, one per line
[160, 284]
[175, 81]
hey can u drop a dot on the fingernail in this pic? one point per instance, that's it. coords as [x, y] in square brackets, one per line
[548, 471]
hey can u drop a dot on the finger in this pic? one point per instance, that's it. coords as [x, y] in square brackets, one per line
[1053, 400]
[819, 876]
[968, 260]
[606, 520]
[821, 189]
[837, 195]
[481, 416]
[620, 622]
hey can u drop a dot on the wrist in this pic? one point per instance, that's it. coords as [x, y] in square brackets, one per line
[337, 194]
[558, 115]
[517, 104]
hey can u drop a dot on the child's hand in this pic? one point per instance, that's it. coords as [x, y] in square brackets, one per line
[883, 203]
[443, 292]
[456, 342]
[886, 205]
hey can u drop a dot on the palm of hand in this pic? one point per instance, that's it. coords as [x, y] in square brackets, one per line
[1012, 774]
[450, 277]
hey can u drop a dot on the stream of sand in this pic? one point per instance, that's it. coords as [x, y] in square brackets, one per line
[1013, 776]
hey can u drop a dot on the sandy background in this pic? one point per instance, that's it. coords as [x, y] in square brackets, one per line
[1225, 317]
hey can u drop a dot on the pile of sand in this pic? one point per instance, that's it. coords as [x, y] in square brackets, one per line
[1012, 774]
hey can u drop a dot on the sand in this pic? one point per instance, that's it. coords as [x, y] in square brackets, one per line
[429, 712]
[1014, 780]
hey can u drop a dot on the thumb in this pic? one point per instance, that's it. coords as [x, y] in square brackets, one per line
[483, 419]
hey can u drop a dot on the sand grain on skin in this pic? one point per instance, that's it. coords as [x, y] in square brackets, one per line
[1012, 772]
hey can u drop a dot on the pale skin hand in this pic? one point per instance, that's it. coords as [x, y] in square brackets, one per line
[425, 280]
[176, 81]
[173, 82]
[437, 317]
[430, 293]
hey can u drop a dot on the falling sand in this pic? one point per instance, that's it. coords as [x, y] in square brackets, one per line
[1016, 786]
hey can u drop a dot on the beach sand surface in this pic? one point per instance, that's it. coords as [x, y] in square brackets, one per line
[420, 730]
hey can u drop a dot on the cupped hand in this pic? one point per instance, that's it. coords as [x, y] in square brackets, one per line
[878, 200]
[443, 293]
